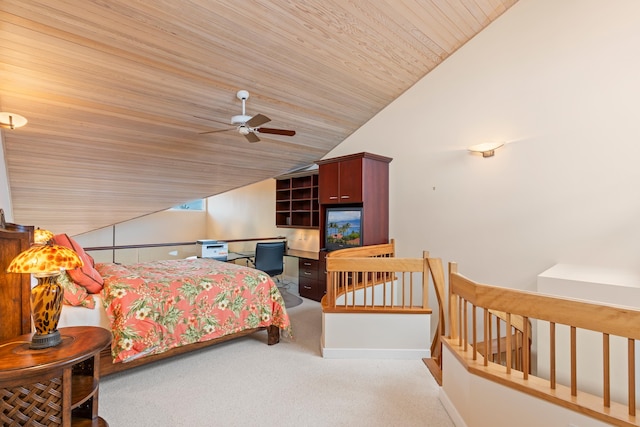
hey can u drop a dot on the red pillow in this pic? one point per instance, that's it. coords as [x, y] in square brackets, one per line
[86, 275]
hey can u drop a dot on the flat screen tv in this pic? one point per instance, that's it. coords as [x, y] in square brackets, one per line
[343, 228]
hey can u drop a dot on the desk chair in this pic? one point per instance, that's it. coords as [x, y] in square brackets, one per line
[270, 258]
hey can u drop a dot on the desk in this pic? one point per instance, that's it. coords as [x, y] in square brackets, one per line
[234, 256]
[297, 253]
[311, 270]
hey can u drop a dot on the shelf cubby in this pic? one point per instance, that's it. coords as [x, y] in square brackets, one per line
[297, 201]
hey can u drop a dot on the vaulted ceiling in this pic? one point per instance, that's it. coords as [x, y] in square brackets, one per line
[118, 93]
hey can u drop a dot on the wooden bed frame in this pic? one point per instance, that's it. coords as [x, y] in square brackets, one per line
[15, 314]
[108, 367]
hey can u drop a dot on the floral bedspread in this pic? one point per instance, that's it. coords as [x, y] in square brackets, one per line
[159, 305]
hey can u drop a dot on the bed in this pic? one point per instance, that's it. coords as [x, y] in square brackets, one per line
[159, 309]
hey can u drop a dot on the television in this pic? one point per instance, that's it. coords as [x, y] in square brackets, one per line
[343, 228]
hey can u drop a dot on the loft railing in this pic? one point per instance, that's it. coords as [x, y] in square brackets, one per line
[370, 279]
[127, 254]
[475, 309]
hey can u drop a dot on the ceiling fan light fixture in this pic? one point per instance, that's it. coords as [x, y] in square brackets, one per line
[11, 120]
[240, 119]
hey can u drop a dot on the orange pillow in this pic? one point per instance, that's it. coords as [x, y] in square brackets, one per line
[86, 275]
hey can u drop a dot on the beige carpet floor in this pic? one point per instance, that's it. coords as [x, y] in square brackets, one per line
[245, 382]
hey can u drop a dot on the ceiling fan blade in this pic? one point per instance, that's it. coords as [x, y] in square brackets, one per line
[277, 131]
[257, 120]
[252, 137]
[216, 131]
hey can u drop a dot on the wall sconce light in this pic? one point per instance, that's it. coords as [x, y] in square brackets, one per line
[486, 148]
[11, 121]
[46, 262]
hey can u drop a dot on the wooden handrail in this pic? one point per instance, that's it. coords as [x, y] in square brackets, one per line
[370, 279]
[614, 320]
[159, 245]
[508, 304]
[139, 246]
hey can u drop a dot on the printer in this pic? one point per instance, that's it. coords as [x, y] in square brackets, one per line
[213, 249]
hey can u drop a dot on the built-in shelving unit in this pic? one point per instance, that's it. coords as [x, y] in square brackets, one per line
[297, 201]
[357, 180]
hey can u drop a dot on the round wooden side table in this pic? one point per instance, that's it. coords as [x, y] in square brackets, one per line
[55, 386]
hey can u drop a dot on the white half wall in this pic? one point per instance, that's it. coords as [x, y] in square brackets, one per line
[473, 401]
[375, 336]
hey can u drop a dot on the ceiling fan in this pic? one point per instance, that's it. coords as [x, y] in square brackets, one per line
[251, 126]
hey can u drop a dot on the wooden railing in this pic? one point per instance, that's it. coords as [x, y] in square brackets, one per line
[161, 245]
[472, 312]
[370, 279]
[143, 251]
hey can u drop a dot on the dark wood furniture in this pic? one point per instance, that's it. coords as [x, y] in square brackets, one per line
[56, 386]
[312, 278]
[356, 180]
[15, 289]
[297, 201]
[360, 180]
[308, 278]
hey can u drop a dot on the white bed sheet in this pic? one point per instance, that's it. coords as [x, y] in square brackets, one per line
[81, 316]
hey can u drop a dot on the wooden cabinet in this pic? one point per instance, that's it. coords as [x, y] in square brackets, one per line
[15, 308]
[56, 386]
[341, 181]
[311, 278]
[297, 201]
[360, 180]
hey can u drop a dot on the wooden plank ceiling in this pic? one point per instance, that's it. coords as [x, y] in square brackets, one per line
[118, 92]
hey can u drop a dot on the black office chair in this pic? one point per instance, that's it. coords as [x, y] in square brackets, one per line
[270, 258]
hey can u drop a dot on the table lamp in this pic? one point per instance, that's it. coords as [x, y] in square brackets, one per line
[42, 237]
[46, 262]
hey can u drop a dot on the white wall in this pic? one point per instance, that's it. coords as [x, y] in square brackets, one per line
[5, 196]
[558, 82]
[169, 226]
[250, 212]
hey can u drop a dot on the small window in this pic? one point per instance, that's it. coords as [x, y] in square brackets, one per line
[194, 205]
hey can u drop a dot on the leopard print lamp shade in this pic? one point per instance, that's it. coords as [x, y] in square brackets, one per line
[45, 262]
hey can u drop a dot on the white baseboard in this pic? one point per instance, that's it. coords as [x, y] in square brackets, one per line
[451, 410]
[375, 353]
